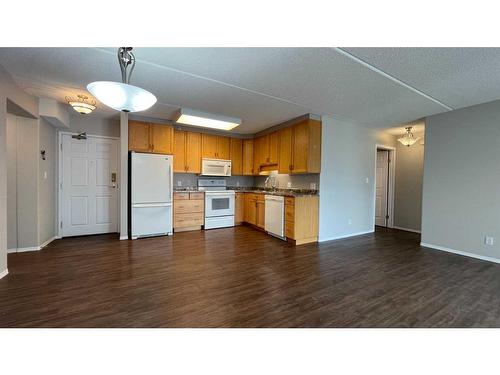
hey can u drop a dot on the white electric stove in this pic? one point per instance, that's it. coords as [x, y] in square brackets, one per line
[219, 203]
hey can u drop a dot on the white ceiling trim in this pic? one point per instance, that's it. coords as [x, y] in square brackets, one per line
[394, 79]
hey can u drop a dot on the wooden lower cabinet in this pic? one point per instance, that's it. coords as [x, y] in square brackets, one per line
[239, 208]
[189, 211]
[302, 219]
[260, 214]
[250, 214]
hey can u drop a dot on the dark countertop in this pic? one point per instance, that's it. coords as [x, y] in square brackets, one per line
[257, 190]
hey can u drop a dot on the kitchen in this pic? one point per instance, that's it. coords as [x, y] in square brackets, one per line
[219, 181]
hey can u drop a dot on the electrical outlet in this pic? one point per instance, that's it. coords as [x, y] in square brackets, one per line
[489, 241]
[312, 185]
[289, 185]
[367, 180]
[237, 183]
[179, 183]
[45, 175]
[349, 221]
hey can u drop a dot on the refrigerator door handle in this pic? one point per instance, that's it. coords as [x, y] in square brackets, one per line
[138, 205]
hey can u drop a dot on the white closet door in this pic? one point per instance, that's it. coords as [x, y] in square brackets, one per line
[381, 188]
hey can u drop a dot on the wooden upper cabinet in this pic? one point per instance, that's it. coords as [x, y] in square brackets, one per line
[209, 146]
[273, 148]
[193, 152]
[285, 150]
[187, 152]
[147, 137]
[138, 136]
[236, 156]
[216, 147]
[300, 147]
[223, 148]
[248, 157]
[162, 138]
[179, 151]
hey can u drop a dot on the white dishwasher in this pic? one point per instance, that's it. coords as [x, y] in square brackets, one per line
[275, 215]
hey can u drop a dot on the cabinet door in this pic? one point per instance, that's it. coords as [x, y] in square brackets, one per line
[138, 136]
[285, 151]
[209, 146]
[248, 157]
[162, 137]
[179, 151]
[224, 148]
[300, 149]
[264, 150]
[250, 208]
[273, 148]
[239, 207]
[236, 157]
[193, 152]
[261, 214]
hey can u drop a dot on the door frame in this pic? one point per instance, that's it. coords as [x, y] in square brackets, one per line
[60, 135]
[391, 186]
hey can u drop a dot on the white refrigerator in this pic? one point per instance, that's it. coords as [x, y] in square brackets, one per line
[151, 177]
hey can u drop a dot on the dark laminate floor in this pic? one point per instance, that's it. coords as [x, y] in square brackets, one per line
[239, 277]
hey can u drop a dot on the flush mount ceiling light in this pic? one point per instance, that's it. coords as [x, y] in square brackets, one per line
[81, 104]
[207, 120]
[408, 139]
[121, 95]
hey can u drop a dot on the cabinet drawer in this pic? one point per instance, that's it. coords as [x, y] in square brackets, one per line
[290, 201]
[289, 229]
[188, 220]
[289, 213]
[179, 196]
[197, 196]
[188, 206]
[261, 197]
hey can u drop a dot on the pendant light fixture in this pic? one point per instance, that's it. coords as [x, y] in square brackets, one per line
[123, 96]
[81, 104]
[408, 139]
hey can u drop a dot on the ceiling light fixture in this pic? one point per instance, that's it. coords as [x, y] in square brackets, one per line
[206, 120]
[408, 139]
[81, 105]
[121, 95]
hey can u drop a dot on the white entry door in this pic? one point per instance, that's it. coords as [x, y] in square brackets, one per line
[381, 214]
[89, 185]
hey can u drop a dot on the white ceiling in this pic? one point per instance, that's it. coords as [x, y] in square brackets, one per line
[375, 87]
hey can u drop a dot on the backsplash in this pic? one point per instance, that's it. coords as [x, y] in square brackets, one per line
[299, 181]
[191, 180]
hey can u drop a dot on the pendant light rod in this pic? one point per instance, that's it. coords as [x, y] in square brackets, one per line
[126, 58]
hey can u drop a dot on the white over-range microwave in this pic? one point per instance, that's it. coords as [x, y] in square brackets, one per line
[215, 167]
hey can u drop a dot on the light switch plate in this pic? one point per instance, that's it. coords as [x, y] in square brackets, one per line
[489, 241]
[289, 185]
[179, 183]
[312, 185]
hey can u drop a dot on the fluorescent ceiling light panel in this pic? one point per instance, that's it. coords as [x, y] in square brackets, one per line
[207, 120]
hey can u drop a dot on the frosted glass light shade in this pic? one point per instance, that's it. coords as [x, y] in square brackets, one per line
[408, 139]
[122, 96]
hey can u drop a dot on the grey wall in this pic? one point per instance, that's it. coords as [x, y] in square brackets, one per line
[347, 203]
[94, 125]
[461, 194]
[302, 181]
[408, 189]
[8, 90]
[46, 182]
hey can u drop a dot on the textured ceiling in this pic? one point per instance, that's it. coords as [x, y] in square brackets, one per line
[375, 87]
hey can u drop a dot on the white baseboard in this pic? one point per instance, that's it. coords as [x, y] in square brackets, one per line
[4, 273]
[459, 252]
[346, 236]
[32, 248]
[123, 238]
[406, 229]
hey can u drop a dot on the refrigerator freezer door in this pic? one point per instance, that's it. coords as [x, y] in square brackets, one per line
[151, 178]
[151, 220]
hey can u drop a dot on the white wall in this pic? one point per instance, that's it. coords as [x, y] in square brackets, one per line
[347, 203]
[93, 125]
[8, 90]
[46, 183]
[461, 189]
